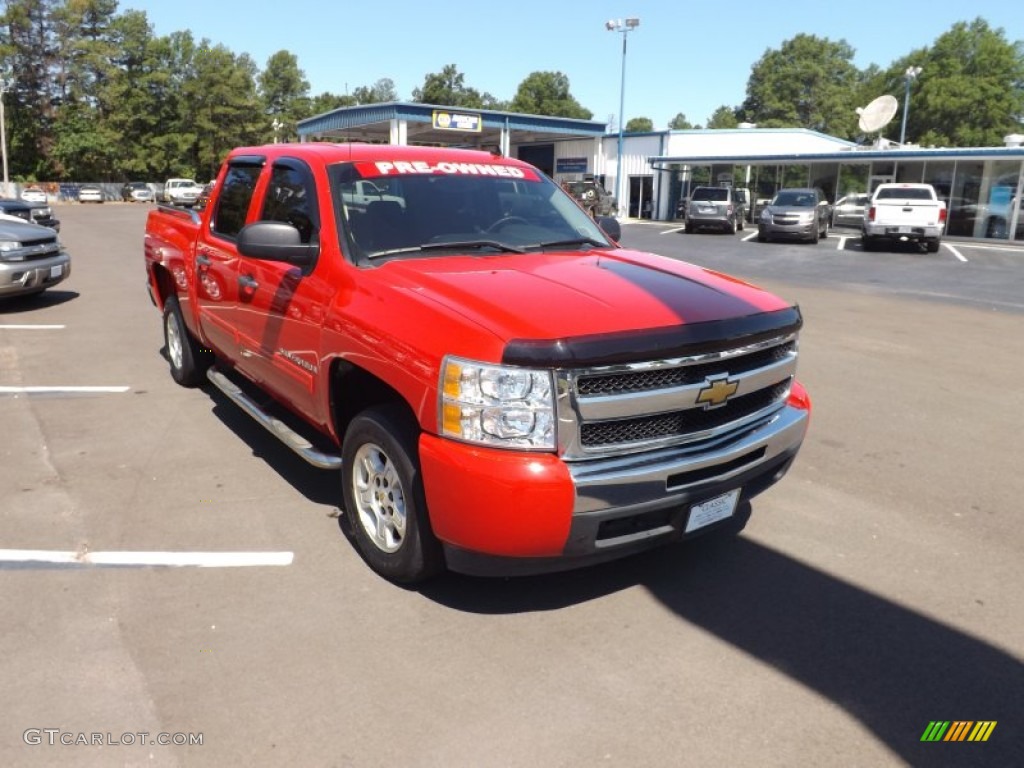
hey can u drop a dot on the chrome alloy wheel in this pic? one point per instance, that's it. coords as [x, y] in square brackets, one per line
[175, 342]
[379, 497]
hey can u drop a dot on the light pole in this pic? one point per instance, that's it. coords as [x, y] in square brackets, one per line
[5, 85]
[277, 125]
[624, 26]
[908, 76]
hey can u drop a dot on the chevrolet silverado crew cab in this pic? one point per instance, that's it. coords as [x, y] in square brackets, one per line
[904, 213]
[501, 386]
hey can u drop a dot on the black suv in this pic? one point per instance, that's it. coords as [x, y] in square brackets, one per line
[37, 214]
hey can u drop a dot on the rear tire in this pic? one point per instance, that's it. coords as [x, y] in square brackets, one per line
[933, 246]
[187, 358]
[382, 489]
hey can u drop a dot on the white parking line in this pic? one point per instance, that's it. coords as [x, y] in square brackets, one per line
[168, 559]
[59, 390]
[842, 243]
[955, 252]
[674, 229]
[14, 327]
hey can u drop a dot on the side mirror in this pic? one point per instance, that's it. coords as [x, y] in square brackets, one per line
[610, 226]
[276, 241]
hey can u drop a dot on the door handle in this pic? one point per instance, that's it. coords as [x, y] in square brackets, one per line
[248, 282]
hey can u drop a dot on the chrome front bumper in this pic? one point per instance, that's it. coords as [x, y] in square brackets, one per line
[17, 277]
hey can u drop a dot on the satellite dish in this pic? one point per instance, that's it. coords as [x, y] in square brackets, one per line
[876, 115]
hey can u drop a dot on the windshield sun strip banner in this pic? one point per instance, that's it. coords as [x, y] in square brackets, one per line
[377, 168]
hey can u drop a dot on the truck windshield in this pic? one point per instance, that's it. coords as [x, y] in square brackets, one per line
[428, 212]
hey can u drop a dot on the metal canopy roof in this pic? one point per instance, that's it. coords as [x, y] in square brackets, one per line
[372, 122]
[857, 155]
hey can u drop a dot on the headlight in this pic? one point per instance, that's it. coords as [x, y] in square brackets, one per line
[497, 405]
[766, 215]
[807, 216]
[9, 245]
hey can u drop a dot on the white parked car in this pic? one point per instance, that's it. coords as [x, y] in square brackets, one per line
[181, 191]
[90, 193]
[33, 195]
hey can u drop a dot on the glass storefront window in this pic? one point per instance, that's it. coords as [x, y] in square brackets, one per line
[998, 202]
[963, 218]
[853, 179]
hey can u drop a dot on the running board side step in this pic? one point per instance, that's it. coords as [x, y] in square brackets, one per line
[275, 426]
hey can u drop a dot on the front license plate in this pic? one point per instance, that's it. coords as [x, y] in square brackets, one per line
[57, 271]
[712, 510]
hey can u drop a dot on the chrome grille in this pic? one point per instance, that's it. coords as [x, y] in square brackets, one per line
[679, 423]
[641, 381]
[632, 407]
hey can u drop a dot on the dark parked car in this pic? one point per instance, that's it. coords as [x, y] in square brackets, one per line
[37, 214]
[802, 214]
[137, 192]
[32, 258]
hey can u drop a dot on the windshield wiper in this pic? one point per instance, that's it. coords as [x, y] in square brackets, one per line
[457, 244]
[446, 246]
[573, 241]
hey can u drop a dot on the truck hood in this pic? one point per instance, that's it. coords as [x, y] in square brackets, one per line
[565, 295]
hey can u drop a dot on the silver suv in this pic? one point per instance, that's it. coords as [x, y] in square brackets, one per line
[714, 207]
[803, 214]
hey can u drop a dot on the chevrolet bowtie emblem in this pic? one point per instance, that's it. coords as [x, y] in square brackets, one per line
[716, 393]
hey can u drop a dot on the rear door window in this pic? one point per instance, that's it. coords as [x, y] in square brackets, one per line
[235, 197]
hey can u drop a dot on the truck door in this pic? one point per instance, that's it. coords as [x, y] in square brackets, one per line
[216, 275]
[281, 308]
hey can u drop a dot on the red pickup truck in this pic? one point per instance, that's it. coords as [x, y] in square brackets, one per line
[502, 387]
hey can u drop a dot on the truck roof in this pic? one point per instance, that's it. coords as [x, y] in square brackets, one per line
[337, 153]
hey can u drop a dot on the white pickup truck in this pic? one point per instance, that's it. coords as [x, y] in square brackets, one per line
[904, 213]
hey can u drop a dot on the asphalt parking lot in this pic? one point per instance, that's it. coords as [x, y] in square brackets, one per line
[874, 591]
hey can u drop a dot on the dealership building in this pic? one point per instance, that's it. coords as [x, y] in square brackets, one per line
[981, 185]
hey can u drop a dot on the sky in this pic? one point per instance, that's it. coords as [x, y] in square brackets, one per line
[688, 56]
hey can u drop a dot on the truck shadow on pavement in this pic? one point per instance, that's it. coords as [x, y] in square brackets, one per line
[889, 666]
[316, 485]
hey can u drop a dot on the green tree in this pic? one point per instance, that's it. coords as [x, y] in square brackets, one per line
[723, 117]
[381, 91]
[327, 101]
[138, 86]
[810, 82]
[285, 92]
[223, 108]
[640, 125]
[970, 92]
[547, 93]
[680, 123]
[29, 53]
[85, 144]
[448, 88]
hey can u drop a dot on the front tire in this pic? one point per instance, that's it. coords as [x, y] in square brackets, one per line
[188, 359]
[382, 489]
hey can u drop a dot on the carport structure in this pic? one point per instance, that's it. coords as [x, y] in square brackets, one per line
[980, 185]
[532, 138]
